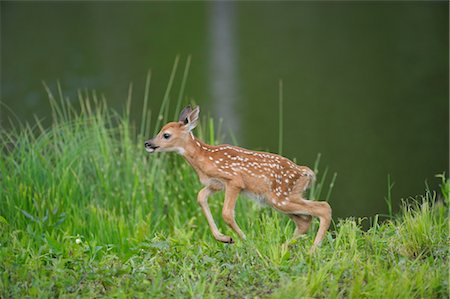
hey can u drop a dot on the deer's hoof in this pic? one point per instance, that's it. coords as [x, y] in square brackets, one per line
[313, 249]
[225, 239]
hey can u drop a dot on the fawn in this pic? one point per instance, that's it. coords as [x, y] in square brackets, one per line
[270, 178]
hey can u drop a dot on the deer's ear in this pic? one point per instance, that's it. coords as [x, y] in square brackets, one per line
[184, 115]
[192, 118]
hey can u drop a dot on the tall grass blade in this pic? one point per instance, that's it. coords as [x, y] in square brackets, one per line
[144, 124]
[183, 86]
[280, 117]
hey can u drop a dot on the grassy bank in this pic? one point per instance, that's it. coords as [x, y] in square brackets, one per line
[85, 212]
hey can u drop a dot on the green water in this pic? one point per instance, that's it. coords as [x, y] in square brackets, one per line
[365, 84]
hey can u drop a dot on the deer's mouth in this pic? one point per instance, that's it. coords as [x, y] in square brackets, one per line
[151, 148]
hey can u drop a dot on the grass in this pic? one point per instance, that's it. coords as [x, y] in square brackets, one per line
[84, 211]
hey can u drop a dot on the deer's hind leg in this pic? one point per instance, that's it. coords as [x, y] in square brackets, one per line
[297, 206]
[302, 223]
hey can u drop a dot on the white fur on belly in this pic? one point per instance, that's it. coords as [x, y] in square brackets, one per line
[260, 199]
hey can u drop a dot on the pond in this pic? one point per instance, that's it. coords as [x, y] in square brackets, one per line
[364, 84]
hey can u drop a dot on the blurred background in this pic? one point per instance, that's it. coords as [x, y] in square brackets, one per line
[365, 84]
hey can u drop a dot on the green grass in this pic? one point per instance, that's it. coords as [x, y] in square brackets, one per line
[84, 211]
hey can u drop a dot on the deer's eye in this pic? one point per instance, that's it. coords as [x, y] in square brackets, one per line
[166, 135]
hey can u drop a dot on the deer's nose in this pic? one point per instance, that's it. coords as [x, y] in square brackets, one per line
[148, 144]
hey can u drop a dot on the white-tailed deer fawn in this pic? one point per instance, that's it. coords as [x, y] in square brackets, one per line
[272, 179]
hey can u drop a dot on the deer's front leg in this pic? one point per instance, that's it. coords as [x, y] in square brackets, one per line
[202, 199]
[231, 195]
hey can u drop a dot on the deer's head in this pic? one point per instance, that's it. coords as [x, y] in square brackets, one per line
[174, 135]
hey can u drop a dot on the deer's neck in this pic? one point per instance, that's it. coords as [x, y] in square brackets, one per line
[196, 152]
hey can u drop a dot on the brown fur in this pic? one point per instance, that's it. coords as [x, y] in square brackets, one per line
[273, 179]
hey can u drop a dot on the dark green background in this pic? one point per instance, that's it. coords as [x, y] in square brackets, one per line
[365, 84]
